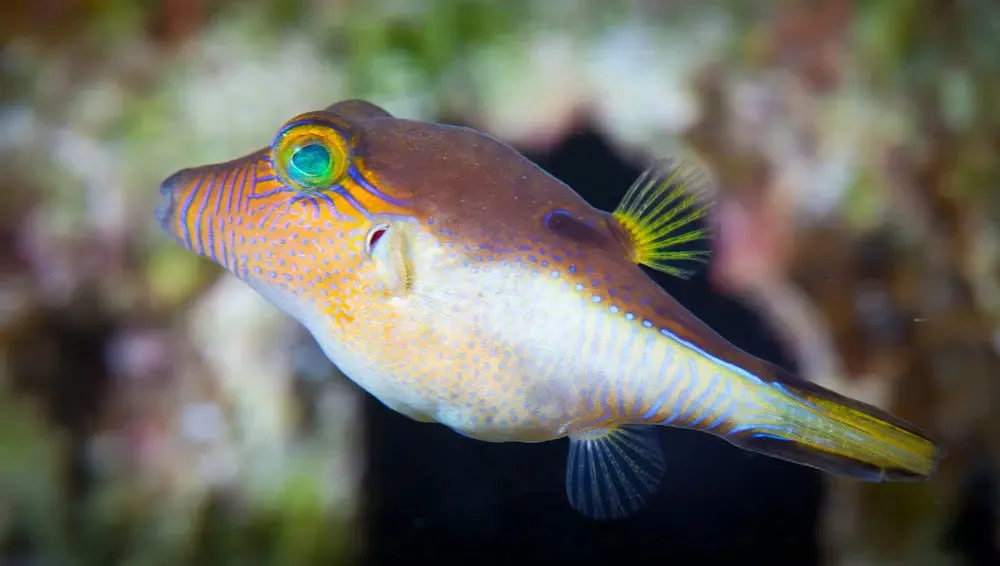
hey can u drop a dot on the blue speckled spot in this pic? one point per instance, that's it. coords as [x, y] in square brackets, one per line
[629, 316]
[613, 309]
[596, 298]
[579, 286]
[647, 324]
[554, 273]
[572, 269]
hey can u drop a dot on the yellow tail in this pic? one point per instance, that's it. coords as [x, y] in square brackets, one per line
[802, 422]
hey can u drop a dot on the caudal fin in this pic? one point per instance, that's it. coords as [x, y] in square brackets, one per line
[804, 423]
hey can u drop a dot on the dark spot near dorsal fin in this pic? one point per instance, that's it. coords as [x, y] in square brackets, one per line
[571, 227]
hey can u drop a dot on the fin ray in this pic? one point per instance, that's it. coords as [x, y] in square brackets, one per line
[816, 427]
[611, 473]
[657, 210]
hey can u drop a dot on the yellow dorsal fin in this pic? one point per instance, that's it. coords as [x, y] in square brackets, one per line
[657, 212]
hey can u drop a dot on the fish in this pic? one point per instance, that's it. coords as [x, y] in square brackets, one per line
[459, 283]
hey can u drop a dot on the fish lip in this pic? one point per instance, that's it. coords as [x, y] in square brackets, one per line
[165, 210]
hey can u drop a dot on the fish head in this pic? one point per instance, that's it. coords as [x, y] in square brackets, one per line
[349, 209]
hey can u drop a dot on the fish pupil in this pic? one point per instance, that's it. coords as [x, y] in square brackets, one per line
[312, 160]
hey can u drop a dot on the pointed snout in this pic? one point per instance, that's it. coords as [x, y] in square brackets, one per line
[170, 192]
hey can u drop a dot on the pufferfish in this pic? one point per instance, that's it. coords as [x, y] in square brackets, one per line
[459, 283]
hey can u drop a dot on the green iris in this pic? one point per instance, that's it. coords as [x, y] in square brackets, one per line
[311, 164]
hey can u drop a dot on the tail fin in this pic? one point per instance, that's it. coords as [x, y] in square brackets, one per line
[800, 421]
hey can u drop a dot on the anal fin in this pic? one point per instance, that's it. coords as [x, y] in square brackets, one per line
[612, 472]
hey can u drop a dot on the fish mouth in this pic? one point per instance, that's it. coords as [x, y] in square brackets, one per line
[165, 210]
[171, 190]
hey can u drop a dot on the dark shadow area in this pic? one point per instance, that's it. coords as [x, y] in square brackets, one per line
[434, 496]
[972, 536]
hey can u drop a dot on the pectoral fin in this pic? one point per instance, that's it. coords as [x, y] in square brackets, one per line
[611, 473]
[389, 247]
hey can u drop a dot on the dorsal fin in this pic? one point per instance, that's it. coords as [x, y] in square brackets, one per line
[656, 213]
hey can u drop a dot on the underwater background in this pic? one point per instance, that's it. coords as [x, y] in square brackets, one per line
[156, 411]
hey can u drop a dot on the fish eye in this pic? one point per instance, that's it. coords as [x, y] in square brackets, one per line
[310, 161]
[374, 235]
[309, 155]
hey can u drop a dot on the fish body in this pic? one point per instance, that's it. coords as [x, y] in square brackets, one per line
[459, 283]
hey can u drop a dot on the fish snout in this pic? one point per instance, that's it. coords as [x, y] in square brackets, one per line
[170, 192]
